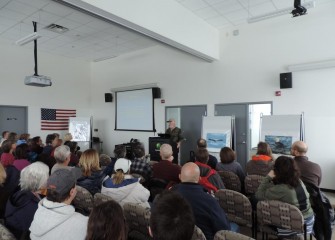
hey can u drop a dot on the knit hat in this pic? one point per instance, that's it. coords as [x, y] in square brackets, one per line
[61, 181]
[122, 164]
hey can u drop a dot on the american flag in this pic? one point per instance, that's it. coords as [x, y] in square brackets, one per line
[56, 119]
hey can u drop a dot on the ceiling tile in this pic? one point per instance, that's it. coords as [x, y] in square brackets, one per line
[262, 9]
[228, 6]
[280, 4]
[4, 3]
[58, 9]
[212, 2]
[43, 18]
[21, 8]
[194, 4]
[7, 13]
[68, 23]
[80, 17]
[99, 24]
[207, 12]
[34, 3]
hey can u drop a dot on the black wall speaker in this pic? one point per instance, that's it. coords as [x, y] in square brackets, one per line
[286, 80]
[156, 92]
[108, 97]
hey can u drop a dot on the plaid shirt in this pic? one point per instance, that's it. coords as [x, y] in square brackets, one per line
[140, 166]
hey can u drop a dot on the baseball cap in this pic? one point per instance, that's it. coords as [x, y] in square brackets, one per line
[61, 181]
[122, 164]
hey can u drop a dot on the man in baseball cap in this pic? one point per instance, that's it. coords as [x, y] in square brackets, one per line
[55, 217]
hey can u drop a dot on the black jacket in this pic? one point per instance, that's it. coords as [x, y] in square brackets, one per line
[92, 183]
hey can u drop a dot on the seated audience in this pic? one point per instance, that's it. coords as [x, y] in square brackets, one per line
[92, 175]
[210, 179]
[8, 148]
[171, 218]
[107, 221]
[13, 136]
[310, 171]
[51, 143]
[55, 217]
[139, 164]
[35, 148]
[4, 137]
[283, 184]
[3, 175]
[9, 186]
[104, 160]
[21, 156]
[229, 163]
[208, 214]
[23, 138]
[22, 205]
[119, 152]
[212, 161]
[262, 162]
[74, 160]
[123, 188]
[67, 137]
[62, 155]
[165, 169]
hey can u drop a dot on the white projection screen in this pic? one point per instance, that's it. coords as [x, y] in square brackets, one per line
[135, 110]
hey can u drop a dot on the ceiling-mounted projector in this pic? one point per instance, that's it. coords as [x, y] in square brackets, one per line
[37, 81]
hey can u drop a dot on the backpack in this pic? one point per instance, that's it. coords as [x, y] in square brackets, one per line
[206, 183]
[324, 213]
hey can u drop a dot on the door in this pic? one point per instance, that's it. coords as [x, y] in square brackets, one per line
[240, 111]
[13, 119]
[190, 122]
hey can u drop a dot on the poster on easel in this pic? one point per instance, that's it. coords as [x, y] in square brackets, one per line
[281, 131]
[80, 128]
[217, 131]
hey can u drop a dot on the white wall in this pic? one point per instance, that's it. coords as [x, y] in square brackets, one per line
[70, 84]
[247, 72]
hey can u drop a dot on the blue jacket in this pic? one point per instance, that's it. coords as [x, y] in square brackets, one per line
[208, 214]
[92, 183]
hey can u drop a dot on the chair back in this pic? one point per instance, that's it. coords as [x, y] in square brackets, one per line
[229, 235]
[251, 183]
[83, 202]
[5, 234]
[236, 205]
[258, 167]
[279, 214]
[137, 218]
[198, 234]
[230, 180]
[101, 198]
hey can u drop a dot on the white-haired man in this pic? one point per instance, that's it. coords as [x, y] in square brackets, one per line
[62, 155]
[165, 169]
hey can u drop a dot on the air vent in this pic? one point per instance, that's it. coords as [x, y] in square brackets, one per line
[56, 28]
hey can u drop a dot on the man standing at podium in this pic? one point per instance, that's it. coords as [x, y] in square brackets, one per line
[175, 137]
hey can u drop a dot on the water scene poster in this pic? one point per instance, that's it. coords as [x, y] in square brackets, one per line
[216, 141]
[279, 144]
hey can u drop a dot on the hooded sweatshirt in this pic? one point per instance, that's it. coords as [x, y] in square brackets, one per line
[130, 190]
[54, 221]
[20, 210]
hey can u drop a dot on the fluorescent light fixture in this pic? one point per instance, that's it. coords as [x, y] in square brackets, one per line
[27, 39]
[311, 66]
[279, 12]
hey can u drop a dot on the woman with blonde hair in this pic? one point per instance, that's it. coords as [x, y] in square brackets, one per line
[124, 188]
[92, 175]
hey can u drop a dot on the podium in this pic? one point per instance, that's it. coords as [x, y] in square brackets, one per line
[155, 144]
